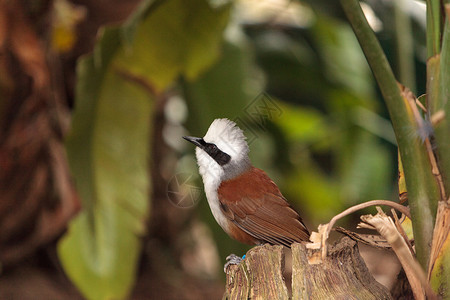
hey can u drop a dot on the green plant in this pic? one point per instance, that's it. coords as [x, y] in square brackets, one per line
[426, 169]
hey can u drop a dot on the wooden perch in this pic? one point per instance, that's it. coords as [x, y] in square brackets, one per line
[259, 276]
[343, 275]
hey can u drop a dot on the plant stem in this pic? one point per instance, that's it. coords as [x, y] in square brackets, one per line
[433, 27]
[442, 127]
[433, 49]
[421, 185]
[405, 48]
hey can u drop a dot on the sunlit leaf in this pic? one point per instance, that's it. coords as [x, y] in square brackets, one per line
[407, 227]
[439, 269]
[177, 37]
[66, 16]
[366, 175]
[302, 124]
[345, 64]
[317, 194]
[402, 192]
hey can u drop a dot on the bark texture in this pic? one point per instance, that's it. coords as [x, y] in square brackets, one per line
[343, 275]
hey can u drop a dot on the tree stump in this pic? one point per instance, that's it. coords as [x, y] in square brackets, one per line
[343, 275]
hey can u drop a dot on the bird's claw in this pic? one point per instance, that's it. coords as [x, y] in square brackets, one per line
[232, 259]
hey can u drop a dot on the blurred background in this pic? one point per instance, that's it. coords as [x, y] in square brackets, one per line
[100, 195]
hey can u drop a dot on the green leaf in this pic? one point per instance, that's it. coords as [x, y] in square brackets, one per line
[344, 62]
[366, 172]
[108, 150]
[302, 124]
[178, 37]
[439, 270]
[318, 195]
[222, 91]
[109, 144]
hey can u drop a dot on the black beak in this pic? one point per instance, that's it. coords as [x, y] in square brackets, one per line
[199, 142]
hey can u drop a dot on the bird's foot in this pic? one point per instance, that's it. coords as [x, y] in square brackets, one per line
[232, 259]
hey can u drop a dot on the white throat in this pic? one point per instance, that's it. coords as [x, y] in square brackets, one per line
[231, 140]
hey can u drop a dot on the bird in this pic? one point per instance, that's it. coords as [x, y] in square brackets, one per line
[243, 199]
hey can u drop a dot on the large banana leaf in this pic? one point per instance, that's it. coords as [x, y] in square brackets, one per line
[108, 146]
[107, 150]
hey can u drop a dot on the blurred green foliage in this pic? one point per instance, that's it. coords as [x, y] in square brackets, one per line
[304, 96]
[326, 142]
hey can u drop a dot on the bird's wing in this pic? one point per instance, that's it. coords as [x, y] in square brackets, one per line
[255, 204]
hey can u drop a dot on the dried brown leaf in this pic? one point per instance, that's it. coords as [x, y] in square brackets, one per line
[416, 277]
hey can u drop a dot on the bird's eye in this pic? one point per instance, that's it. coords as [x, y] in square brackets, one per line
[219, 156]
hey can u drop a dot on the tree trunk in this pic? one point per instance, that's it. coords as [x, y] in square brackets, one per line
[343, 275]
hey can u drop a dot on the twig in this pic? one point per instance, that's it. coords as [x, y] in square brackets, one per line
[404, 210]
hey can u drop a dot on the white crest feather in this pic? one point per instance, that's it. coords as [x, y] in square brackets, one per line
[228, 137]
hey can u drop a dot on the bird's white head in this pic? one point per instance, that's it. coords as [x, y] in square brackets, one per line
[222, 153]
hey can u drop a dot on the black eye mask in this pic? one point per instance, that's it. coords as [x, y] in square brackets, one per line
[218, 155]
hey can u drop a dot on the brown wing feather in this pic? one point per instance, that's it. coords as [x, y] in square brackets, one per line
[254, 204]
